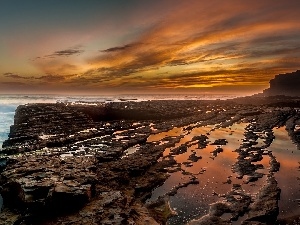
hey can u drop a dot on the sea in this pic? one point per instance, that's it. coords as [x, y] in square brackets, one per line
[9, 103]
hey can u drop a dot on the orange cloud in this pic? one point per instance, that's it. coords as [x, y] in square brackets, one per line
[194, 36]
[196, 44]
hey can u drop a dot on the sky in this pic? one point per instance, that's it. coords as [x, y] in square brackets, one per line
[140, 46]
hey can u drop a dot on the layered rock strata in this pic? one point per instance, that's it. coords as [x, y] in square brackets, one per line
[80, 164]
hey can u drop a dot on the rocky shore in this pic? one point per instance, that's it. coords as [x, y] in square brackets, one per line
[101, 164]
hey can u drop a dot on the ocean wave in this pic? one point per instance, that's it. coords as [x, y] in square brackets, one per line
[25, 99]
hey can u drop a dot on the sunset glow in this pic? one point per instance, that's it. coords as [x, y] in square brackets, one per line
[146, 46]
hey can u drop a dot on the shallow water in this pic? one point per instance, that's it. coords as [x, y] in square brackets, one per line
[7, 113]
[215, 175]
[288, 155]
[212, 172]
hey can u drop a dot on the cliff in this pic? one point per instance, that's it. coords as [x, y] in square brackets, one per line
[284, 84]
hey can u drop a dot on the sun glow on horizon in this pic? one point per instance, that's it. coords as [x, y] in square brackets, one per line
[168, 45]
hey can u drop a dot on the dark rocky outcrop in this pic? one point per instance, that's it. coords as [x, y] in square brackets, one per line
[284, 84]
[265, 207]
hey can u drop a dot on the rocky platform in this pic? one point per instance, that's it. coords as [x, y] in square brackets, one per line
[82, 164]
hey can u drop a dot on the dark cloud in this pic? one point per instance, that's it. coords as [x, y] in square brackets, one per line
[234, 21]
[51, 78]
[286, 39]
[66, 53]
[118, 48]
[16, 76]
[275, 52]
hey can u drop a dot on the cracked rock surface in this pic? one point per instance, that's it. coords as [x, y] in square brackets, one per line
[129, 162]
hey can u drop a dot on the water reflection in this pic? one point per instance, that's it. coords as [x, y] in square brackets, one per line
[214, 172]
[288, 155]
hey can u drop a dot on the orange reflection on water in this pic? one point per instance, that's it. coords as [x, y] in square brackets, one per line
[159, 136]
[215, 175]
[288, 155]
